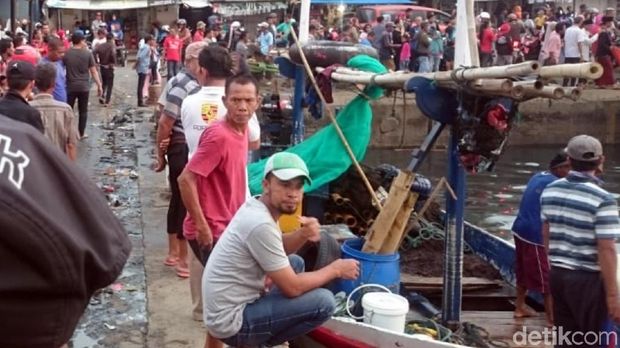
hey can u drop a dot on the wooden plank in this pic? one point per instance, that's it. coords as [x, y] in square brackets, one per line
[398, 229]
[399, 191]
[418, 280]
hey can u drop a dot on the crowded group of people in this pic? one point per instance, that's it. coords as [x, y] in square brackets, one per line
[551, 37]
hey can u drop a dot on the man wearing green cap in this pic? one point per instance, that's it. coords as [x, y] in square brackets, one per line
[239, 307]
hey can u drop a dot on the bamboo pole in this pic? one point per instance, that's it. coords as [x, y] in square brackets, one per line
[397, 79]
[537, 84]
[345, 143]
[551, 92]
[591, 71]
[573, 93]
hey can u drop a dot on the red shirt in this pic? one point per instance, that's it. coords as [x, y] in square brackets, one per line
[198, 35]
[220, 167]
[173, 46]
[486, 42]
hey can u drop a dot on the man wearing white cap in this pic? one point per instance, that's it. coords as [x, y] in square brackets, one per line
[240, 307]
[580, 226]
[265, 38]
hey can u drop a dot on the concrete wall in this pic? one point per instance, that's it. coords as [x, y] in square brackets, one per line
[543, 122]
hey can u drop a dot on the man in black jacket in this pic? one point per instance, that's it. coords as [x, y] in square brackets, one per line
[20, 76]
[59, 240]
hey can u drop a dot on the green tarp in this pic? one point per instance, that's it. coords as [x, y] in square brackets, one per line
[323, 152]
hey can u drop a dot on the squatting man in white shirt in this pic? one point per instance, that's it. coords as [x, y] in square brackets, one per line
[240, 306]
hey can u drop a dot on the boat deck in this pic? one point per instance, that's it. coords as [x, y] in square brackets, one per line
[487, 304]
[502, 326]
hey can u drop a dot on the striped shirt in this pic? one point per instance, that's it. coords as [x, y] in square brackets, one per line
[579, 212]
[181, 85]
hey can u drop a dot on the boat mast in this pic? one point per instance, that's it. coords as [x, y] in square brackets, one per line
[300, 78]
[465, 55]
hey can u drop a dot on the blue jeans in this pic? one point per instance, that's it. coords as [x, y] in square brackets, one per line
[173, 68]
[275, 318]
[425, 64]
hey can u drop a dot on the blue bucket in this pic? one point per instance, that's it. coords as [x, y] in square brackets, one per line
[374, 268]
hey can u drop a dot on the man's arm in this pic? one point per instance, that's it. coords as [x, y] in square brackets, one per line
[310, 231]
[607, 260]
[95, 75]
[188, 186]
[292, 284]
[545, 233]
[164, 129]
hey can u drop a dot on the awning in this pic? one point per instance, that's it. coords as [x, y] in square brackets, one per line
[98, 4]
[196, 3]
[248, 8]
[362, 2]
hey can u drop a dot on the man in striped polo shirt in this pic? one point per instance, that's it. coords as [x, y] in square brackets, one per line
[580, 226]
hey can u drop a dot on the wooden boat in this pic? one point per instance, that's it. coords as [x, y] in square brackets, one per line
[486, 303]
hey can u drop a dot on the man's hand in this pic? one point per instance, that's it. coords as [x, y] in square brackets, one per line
[160, 164]
[613, 307]
[163, 146]
[99, 90]
[347, 268]
[310, 228]
[204, 236]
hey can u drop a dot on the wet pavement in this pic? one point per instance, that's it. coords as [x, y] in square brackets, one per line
[116, 316]
[148, 305]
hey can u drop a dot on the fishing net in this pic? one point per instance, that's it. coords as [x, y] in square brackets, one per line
[323, 152]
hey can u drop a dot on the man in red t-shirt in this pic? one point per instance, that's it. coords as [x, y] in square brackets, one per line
[213, 184]
[172, 52]
[504, 42]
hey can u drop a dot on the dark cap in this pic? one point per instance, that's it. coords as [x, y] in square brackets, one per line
[59, 242]
[20, 70]
[78, 34]
[584, 148]
[607, 19]
[558, 160]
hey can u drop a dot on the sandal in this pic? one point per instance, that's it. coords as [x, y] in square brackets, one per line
[182, 272]
[171, 261]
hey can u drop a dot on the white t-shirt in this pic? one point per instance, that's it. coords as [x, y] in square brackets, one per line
[204, 107]
[250, 247]
[573, 35]
[97, 42]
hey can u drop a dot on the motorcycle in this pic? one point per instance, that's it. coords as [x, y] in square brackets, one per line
[121, 52]
[517, 52]
[531, 46]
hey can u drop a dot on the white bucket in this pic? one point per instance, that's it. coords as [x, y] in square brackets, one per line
[385, 310]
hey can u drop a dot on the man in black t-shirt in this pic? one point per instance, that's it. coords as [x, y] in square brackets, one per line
[81, 67]
[14, 104]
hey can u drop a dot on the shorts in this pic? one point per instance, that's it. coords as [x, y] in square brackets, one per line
[177, 159]
[531, 266]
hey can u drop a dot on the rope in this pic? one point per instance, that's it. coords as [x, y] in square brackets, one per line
[466, 333]
[428, 231]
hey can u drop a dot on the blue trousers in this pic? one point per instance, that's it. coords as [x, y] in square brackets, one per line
[275, 318]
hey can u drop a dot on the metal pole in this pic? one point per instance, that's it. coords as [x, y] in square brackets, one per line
[30, 18]
[13, 9]
[453, 256]
[300, 77]
[298, 111]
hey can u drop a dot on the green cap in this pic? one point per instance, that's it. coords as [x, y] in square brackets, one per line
[287, 166]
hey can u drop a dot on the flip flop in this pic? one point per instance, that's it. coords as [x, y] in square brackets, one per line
[182, 272]
[171, 261]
